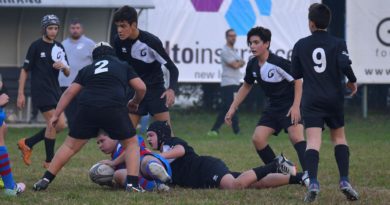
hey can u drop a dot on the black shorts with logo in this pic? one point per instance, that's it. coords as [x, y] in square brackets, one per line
[152, 103]
[276, 120]
[114, 120]
[209, 173]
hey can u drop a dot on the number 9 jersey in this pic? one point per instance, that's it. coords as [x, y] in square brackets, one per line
[105, 82]
[322, 61]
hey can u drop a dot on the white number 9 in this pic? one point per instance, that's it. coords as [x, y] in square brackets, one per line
[319, 59]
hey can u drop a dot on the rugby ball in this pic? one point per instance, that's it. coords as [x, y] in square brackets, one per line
[101, 174]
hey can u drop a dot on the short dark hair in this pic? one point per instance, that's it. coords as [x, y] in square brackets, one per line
[320, 15]
[75, 21]
[263, 33]
[228, 31]
[126, 13]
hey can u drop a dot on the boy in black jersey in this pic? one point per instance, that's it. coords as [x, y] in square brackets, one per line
[102, 105]
[322, 60]
[194, 171]
[273, 74]
[144, 52]
[45, 59]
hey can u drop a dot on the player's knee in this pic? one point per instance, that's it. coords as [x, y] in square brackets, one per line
[60, 126]
[259, 141]
[237, 184]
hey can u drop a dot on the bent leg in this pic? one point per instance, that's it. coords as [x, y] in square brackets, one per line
[260, 141]
[67, 150]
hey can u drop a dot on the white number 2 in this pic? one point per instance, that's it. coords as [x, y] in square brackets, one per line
[101, 68]
[319, 59]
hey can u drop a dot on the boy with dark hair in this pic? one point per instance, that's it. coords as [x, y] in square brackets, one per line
[144, 52]
[102, 105]
[45, 59]
[273, 74]
[322, 60]
[154, 169]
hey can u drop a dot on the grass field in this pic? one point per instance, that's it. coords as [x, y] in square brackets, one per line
[369, 142]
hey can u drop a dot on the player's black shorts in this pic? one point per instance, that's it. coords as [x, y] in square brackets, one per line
[276, 121]
[46, 108]
[210, 172]
[333, 122]
[152, 102]
[114, 120]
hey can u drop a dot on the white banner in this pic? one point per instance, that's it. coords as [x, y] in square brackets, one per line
[77, 3]
[193, 31]
[368, 39]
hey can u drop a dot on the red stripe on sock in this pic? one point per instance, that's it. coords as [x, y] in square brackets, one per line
[4, 156]
[4, 164]
[145, 183]
[6, 172]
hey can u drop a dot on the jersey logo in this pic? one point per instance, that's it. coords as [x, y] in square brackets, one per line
[215, 178]
[254, 74]
[345, 53]
[143, 52]
[271, 73]
[43, 55]
[124, 50]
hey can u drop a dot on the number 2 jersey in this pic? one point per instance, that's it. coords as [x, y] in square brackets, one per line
[104, 82]
[321, 60]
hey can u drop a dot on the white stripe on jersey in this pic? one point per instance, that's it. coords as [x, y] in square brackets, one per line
[141, 51]
[273, 74]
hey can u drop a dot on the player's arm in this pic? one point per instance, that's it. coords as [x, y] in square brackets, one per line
[67, 97]
[140, 89]
[176, 152]
[163, 58]
[21, 101]
[296, 70]
[62, 67]
[294, 111]
[238, 99]
[27, 65]
[345, 64]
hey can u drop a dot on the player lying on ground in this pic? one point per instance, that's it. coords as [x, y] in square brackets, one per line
[102, 105]
[154, 169]
[10, 187]
[194, 171]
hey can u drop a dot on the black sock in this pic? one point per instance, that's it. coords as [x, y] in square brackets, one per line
[263, 171]
[49, 146]
[48, 175]
[266, 154]
[312, 158]
[296, 179]
[39, 136]
[133, 180]
[341, 153]
[300, 147]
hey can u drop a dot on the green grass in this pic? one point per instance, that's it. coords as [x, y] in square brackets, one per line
[369, 142]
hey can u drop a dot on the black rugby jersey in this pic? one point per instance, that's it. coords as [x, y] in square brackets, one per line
[321, 60]
[45, 88]
[184, 166]
[146, 55]
[275, 79]
[104, 82]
